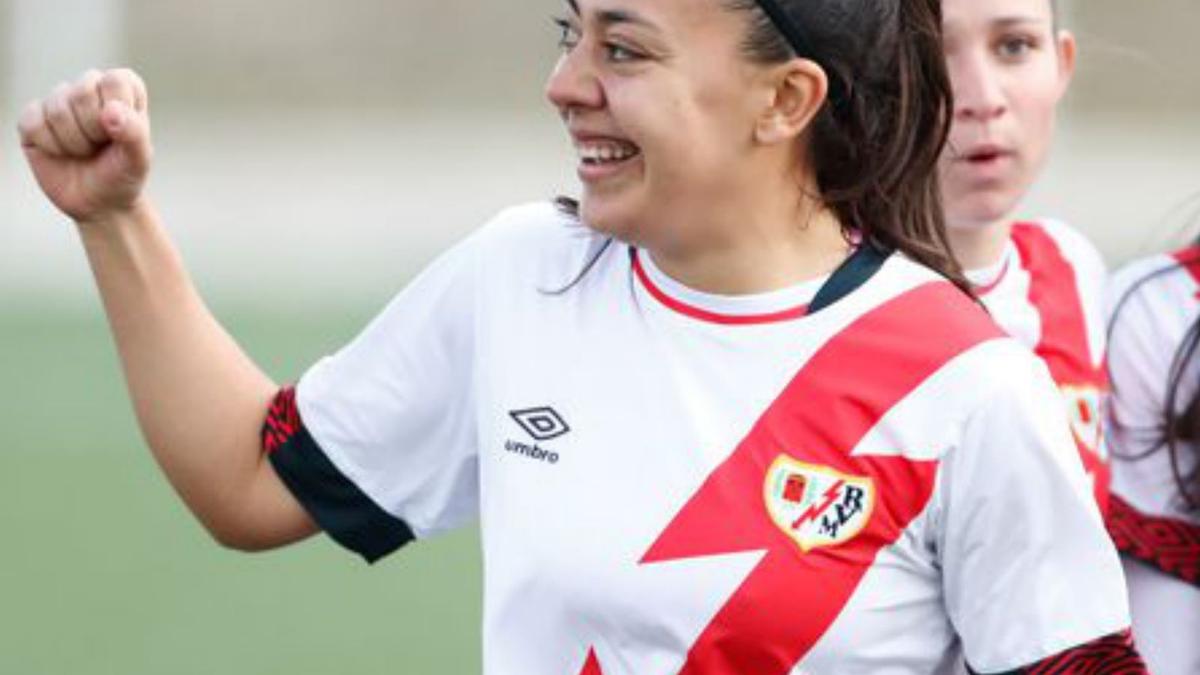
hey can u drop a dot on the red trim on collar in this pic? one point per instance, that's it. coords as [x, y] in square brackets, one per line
[989, 287]
[704, 314]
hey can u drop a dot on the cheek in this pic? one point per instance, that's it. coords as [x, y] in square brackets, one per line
[1035, 105]
[647, 111]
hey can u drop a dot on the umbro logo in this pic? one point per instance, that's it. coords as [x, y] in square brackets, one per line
[542, 424]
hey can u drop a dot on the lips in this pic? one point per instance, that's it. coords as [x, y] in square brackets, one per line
[598, 150]
[984, 153]
[602, 155]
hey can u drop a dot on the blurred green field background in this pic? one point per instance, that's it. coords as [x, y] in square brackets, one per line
[103, 571]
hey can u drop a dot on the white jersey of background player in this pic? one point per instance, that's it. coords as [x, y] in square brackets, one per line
[1155, 509]
[741, 437]
[1041, 281]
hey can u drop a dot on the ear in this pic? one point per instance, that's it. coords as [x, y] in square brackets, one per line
[798, 91]
[1066, 47]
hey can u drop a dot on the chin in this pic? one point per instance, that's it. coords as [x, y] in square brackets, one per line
[610, 217]
[980, 211]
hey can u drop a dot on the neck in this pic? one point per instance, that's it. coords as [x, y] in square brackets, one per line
[760, 252]
[978, 246]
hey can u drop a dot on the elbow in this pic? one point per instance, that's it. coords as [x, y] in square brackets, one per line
[233, 538]
[242, 543]
[238, 536]
[257, 530]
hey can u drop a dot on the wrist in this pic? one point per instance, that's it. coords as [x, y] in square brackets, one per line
[108, 221]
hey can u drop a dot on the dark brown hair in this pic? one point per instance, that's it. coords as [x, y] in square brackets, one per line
[876, 143]
[1178, 429]
[1183, 427]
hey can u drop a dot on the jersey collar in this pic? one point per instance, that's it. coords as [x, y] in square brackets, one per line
[787, 304]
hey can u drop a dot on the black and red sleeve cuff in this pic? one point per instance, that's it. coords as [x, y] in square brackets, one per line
[344, 511]
[1172, 546]
[1111, 655]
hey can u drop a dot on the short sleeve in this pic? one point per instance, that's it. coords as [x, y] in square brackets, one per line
[387, 448]
[1028, 570]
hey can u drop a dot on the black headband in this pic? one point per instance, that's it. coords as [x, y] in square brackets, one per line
[799, 43]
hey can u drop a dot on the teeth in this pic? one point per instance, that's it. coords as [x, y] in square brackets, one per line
[605, 152]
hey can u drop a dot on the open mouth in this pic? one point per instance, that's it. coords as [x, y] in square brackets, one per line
[985, 155]
[607, 152]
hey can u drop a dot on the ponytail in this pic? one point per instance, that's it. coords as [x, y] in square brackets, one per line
[875, 146]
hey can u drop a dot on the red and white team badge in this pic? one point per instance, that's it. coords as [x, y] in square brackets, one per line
[816, 506]
[1084, 409]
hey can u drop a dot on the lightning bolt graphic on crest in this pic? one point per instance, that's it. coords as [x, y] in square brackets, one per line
[815, 510]
[790, 598]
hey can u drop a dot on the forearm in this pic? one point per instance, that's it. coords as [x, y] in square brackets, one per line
[200, 401]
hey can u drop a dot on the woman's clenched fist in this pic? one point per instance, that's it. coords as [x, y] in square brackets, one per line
[88, 144]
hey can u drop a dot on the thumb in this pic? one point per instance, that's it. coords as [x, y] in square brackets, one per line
[130, 133]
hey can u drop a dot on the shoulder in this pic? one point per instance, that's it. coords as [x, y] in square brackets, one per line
[534, 226]
[914, 314]
[1072, 244]
[1149, 275]
[941, 304]
[1152, 302]
[538, 240]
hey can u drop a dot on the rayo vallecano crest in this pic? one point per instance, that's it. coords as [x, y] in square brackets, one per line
[1083, 409]
[815, 505]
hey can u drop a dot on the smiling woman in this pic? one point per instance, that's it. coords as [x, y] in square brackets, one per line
[765, 431]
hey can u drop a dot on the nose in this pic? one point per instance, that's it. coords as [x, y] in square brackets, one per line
[978, 91]
[574, 84]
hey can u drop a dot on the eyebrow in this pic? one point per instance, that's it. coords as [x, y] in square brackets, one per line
[609, 17]
[1010, 21]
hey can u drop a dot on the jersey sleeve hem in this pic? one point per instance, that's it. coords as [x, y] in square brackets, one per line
[1113, 654]
[1169, 545]
[334, 501]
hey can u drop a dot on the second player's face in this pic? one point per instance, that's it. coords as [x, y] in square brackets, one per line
[656, 96]
[1009, 69]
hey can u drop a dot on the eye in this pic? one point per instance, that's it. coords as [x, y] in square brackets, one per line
[1015, 47]
[618, 53]
[568, 36]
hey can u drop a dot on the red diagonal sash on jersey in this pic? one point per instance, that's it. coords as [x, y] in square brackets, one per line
[1064, 345]
[789, 600]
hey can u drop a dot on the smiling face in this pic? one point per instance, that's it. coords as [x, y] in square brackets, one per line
[661, 105]
[1009, 68]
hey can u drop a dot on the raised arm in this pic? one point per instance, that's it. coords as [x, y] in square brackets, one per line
[200, 401]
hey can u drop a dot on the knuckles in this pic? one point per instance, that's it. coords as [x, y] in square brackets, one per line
[82, 95]
[58, 109]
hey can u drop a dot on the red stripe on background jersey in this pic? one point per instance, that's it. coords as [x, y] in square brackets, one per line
[1064, 344]
[1168, 544]
[1189, 259]
[592, 665]
[791, 597]
[1112, 655]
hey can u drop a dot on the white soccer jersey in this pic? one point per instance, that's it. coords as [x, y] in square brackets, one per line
[1155, 300]
[1047, 291]
[672, 482]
